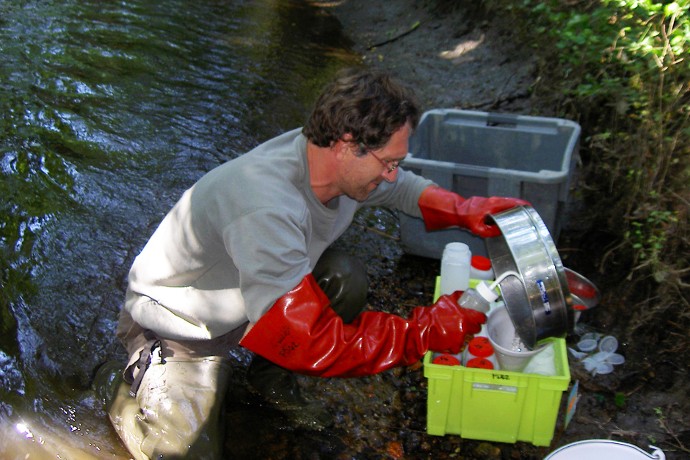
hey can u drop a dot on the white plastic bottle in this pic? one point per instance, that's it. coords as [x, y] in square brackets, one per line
[481, 268]
[446, 359]
[478, 351]
[478, 298]
[455, 268]
[483, 295]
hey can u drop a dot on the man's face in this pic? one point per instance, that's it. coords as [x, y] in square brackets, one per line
[363, 173]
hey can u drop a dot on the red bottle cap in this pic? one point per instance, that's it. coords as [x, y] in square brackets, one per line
[480, 347]
[481, 263]
[446, 360]
[480, 363]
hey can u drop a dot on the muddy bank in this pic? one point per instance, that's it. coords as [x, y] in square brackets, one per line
[451, 57]
[457, 58]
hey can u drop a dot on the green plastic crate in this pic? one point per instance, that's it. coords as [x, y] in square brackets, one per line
[495, 405]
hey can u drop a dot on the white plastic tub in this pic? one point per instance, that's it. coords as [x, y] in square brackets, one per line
[603, 449]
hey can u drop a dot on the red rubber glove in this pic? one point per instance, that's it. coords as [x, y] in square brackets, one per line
[442, 209]
[302, 333]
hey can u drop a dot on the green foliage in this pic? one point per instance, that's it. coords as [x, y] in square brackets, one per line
[621, 67]
[620, 399]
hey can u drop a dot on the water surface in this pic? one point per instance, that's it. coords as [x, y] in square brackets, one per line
[109, 111]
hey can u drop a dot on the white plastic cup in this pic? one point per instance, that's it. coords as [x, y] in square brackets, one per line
[510, 353]
[455, 268]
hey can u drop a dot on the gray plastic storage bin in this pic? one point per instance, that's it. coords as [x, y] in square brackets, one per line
[488, 154]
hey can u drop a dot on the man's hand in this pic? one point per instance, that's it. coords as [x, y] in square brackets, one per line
[301, 332]
[443, 209]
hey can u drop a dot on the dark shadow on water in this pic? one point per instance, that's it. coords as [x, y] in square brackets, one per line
[110, 111]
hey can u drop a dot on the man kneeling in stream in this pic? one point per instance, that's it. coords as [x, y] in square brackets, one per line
[245, 258]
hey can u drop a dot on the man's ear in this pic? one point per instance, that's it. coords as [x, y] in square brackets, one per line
[343, 145]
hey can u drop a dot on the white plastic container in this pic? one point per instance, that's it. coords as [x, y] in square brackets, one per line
[511, 354]
[604, 449]
[478, 349]
[447, 359]
[455, 268]
[480, 268]
[478, 298]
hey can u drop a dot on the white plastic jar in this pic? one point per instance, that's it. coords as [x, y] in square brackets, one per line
[480, 268]
[455, 268]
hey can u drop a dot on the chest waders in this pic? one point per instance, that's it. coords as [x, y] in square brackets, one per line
[171, 406]
[169, 402]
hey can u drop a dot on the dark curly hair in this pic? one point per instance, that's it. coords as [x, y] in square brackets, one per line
[370, 106]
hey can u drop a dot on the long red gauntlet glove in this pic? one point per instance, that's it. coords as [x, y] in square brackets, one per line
[302, 333]
[442, 209]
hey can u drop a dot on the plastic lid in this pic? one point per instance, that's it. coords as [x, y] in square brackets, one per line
[587, 345]
[481, 263]
[597, 367]
[601, 356]
[616, 359]
[486, 292]
[480, 363]
[608, 344]
[446, 360]
[604, 368]
[591, 335]
[480, 347]
[577, 354]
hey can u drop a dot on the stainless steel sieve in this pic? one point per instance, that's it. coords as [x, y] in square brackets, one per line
[537, 299]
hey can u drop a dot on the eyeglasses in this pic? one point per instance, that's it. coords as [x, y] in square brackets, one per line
[389, 165]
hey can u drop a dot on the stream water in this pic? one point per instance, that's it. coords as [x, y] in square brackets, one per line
[109, 111]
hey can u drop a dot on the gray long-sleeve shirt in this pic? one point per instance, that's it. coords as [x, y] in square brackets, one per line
[245, 234]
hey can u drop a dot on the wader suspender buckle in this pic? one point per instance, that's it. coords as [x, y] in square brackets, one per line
[147, 355]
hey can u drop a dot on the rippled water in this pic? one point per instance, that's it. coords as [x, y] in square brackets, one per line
[109, 111]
